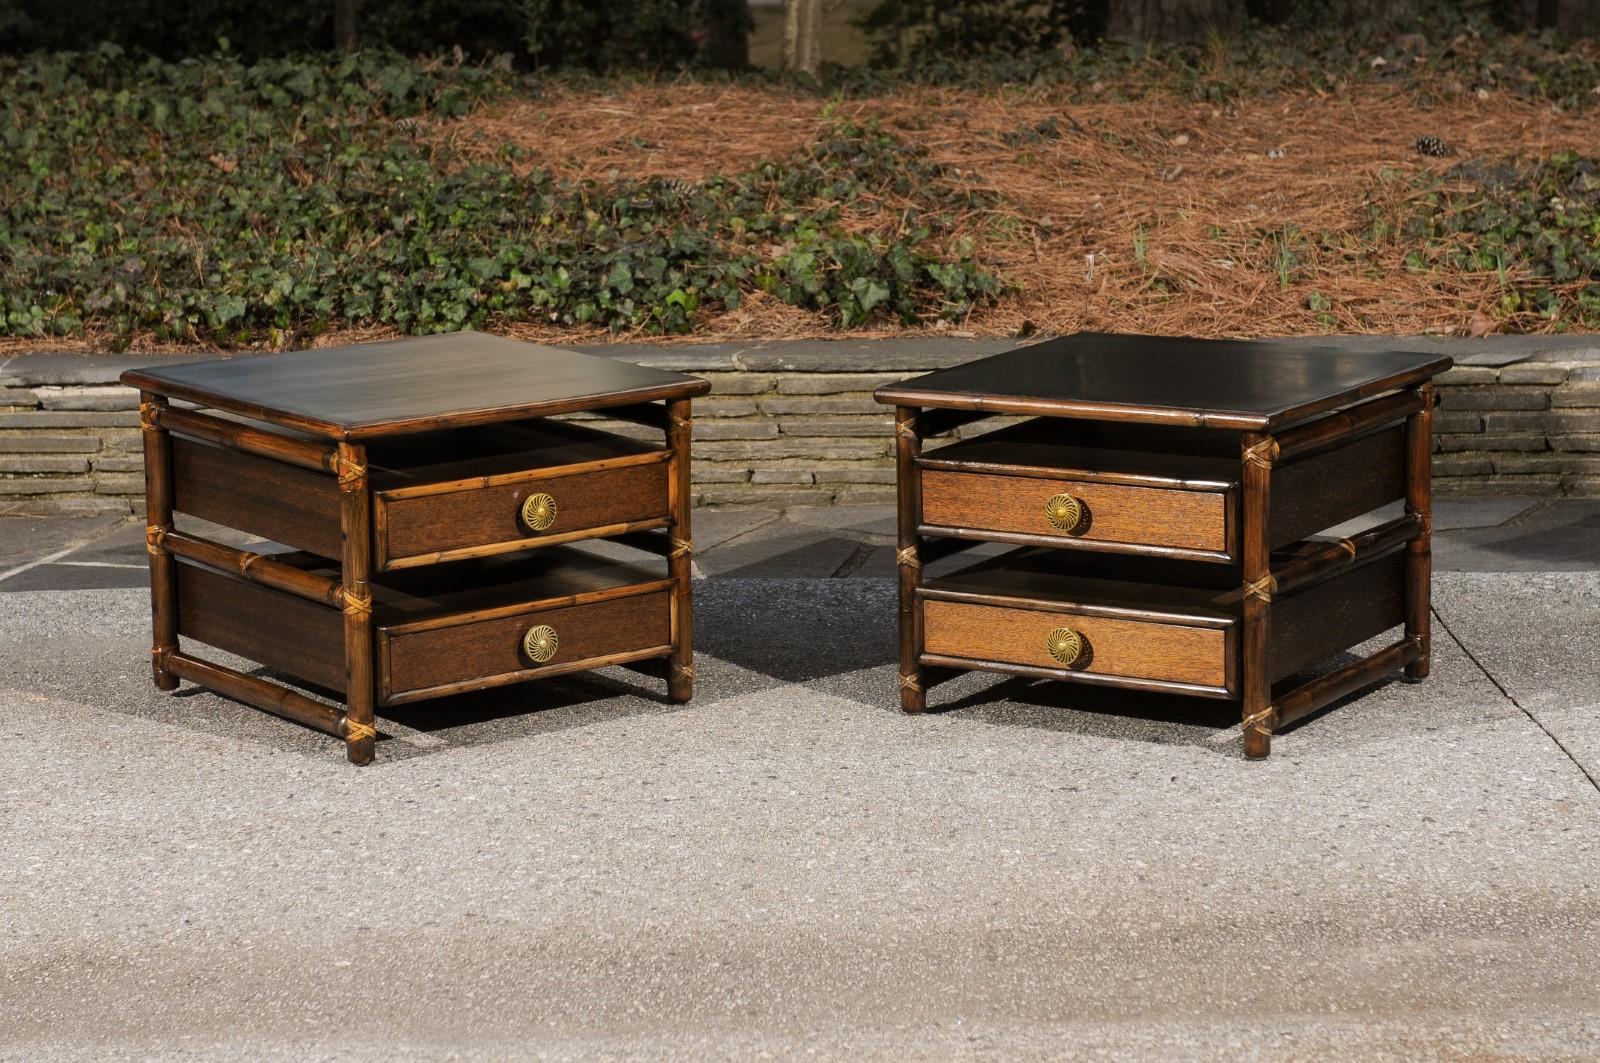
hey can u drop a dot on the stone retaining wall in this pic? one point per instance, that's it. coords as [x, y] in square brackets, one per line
[795, 424]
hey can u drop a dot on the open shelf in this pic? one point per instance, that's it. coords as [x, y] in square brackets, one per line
[1115, 453]
[494, 450]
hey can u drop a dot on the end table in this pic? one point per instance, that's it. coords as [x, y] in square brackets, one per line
[1165, 497]
[419, 493]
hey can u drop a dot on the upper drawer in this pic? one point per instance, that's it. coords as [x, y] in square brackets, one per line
[499, 514]
[1129, 489]
[497, 489]
[1179, 522]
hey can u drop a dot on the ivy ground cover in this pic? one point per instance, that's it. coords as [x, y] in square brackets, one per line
[214, 203]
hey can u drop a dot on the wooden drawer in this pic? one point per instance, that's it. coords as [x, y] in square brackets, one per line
[423, 524]
[1166, 520]
[1147, 623]
[1126, 649]
[471, 651]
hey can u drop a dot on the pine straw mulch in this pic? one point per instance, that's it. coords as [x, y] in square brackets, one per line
[1192, 181]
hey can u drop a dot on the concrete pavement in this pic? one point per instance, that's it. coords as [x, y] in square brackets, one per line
[789, 868]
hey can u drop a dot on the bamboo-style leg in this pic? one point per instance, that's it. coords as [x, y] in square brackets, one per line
[158, 523]
[1419, 553]
[908, 562]
[355, 507]
[680, 560]
[1255, 503]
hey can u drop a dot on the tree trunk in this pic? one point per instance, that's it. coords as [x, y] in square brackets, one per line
[345, 37]
[802, 35]
[1575, 18]
[1172, 20]
[727, 44]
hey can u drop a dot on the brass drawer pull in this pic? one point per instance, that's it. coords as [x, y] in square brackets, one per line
[539, 512]
[1065, 645]
[540, 643]
[1064, 512]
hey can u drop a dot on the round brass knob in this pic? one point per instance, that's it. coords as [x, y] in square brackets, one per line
[539, 512]
[1064, 512]
[1065, 645]
[540, 643]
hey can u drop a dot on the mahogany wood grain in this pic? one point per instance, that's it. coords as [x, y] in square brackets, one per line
[1245, 385]
[237, 435]
[355, 531]
[439, 595]
[1255, 638]
[1178, 592]
[467, 686]
[158, 525]
[1120, 682]
[1317, 559]
[414, 385]
[1265, 443]
[1419, 555]
[402, 466]
[1336, 614]
[908, 560]
[1344, 424]
[426, 525]
[437, 442]
[1130, 648]
[1136, 454]
[942, 422]
[258, 568]
[286, 633]
[648, 414]
[1329, 688]
[252, 690]
[1337, 484]
[491, 650]
[680, 559]
[283, 503]
[1116, 514]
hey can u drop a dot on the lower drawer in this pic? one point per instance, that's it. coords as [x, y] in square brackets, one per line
[1148, 624]
[471, 651]
[1159, 651]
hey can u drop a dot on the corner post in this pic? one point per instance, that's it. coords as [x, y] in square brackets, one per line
[680, 559]
[1419, 552]
[1257, 456]
[158, 524]
[355, 512]
[908, 560]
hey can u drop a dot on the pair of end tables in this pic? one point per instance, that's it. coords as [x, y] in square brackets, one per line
[1162, 499]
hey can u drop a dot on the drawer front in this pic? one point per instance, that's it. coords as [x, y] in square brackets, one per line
[415, 526]
[490, 652]
[1106, 646]
[1113, 514]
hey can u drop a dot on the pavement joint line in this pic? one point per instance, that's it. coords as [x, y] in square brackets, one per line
[1538, 507]
[857, 558]
[65, 551]
[97, 564]
[1512, 698]
[748, 531]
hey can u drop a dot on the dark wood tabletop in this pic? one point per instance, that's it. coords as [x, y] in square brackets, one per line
[413, 385]
[1240, 384]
